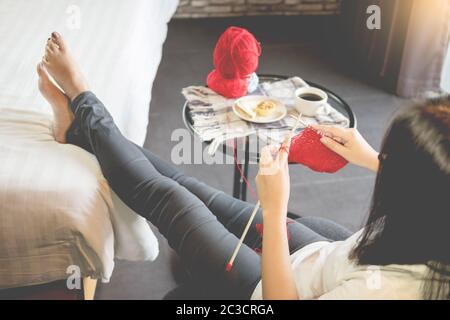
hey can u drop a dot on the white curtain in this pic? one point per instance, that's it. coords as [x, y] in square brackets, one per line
[406, 55]
[426, 48]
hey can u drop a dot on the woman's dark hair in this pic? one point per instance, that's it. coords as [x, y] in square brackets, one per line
[409, 220]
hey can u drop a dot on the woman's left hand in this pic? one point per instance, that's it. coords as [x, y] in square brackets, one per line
[272, 181]
[273, 186]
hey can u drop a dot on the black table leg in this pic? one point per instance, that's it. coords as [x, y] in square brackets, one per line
[246, 163]
[237, 174]
[239, 183]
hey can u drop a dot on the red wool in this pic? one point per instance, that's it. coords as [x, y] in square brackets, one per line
[236, 56]
[307, 149]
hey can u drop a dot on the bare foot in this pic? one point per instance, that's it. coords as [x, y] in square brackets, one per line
[59, 102]
[62, 67]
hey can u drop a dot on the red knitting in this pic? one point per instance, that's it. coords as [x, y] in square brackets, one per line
[307, 149]
[236, 56]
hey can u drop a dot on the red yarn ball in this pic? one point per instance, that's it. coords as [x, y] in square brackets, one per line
[307, 149]
[236, 56]
[237, 53]
[229, 88]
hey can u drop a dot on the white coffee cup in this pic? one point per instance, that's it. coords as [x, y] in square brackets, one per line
[308, 100]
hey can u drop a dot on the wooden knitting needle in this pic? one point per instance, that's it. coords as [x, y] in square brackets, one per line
[241, 240]
[298, 120]
[255, 210]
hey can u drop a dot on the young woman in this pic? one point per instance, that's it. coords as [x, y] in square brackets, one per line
[402, 253]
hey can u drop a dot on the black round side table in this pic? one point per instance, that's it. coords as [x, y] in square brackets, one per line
[239, 185]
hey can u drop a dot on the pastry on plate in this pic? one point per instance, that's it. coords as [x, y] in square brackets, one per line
[246, 109]
[265, 108]
[259, 109]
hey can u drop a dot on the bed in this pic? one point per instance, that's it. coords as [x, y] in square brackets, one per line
[56, 209]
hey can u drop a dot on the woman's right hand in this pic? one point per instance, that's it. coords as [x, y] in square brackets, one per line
[348, 143]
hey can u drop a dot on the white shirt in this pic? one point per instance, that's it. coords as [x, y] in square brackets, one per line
[322, 270]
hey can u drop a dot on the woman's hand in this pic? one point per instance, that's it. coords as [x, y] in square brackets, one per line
[348, 143]
[272, 181]
[273, 186]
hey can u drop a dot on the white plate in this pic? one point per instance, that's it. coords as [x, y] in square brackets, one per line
[278, 114]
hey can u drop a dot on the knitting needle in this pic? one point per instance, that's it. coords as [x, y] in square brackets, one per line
[299, 120]
[252, 216]
[241, 240]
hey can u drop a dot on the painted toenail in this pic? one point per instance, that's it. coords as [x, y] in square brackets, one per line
[55, 34]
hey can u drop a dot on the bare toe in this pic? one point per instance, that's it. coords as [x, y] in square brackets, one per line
[58, 39]
[53, 46]
[41, 72]
[48, 54]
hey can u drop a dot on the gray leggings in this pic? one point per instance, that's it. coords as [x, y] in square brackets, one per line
[201, 224]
